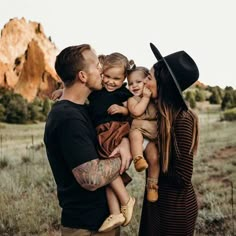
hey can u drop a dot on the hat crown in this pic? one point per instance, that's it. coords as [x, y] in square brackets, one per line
[182, 68]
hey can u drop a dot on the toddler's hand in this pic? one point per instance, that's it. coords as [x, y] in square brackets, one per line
[146, 92]
[57, 94]
[114, 109]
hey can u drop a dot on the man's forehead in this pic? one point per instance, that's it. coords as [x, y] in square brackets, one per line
[90, 55]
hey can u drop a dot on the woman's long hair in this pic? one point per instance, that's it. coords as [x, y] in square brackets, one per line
[169, 105]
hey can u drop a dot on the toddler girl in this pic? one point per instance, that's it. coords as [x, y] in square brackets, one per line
[143, 132]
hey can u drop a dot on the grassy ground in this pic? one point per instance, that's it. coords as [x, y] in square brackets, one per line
[28, 204]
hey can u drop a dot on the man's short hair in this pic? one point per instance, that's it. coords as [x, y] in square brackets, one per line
[69, 62]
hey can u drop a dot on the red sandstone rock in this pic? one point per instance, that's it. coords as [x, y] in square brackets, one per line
[27, 59]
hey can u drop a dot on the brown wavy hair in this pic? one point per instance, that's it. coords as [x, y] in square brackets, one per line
[116, 59]
[170, 104]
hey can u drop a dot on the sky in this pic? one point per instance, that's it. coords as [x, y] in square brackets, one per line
[205, 29]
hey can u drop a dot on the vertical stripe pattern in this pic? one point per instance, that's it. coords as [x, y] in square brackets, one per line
[175, 212]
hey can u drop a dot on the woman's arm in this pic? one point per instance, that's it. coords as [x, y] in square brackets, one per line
[183, 133]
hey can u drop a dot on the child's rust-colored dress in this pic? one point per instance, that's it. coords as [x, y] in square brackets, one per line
[147, 122]
[110, 128]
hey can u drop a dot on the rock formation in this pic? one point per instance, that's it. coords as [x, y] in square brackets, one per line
[27, 59]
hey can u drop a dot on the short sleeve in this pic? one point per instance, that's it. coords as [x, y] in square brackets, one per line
[124, 93]
[77, 142]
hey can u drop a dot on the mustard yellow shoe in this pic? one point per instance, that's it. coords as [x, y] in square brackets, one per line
[111, 222]
[140, 163]
[127, 210]
[152, 190]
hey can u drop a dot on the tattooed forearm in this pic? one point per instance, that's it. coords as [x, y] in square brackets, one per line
[97, 173]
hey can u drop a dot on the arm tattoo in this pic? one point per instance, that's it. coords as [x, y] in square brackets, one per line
[97, 173]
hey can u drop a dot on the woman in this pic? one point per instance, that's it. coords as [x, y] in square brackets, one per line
[175, 212]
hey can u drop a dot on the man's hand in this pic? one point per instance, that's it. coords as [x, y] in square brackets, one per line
[125, 153]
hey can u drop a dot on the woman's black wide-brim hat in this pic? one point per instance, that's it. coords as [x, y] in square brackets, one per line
[182, 68]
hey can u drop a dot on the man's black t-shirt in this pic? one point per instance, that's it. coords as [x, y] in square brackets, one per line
[70, 141]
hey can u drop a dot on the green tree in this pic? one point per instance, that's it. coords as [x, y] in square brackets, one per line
[2, 113]
[17, 110]
[200, 96]
[34, 112]
[46, 106]
[189, 95]
[215, 97]
[192, 103]
[229, 99]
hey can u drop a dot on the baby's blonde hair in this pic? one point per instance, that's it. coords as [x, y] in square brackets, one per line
[143, 70]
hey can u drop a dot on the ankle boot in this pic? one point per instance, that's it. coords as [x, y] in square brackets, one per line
[140, 163]
[152, 189]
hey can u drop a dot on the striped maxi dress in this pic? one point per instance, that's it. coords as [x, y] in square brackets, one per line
[175, 212]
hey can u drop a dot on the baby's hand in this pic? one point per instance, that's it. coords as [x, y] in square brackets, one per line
[114, 109]
[57, 94]
[146, 92]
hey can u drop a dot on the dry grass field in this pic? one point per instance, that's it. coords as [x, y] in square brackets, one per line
[28, 204]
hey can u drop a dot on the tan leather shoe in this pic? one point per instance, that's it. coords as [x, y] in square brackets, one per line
[152, 190]
[111, 222]
[127, 210]
[140, 163]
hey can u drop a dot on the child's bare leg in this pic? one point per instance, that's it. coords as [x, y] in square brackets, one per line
[125, 153]
[113, 202]
[119, 189]
[116, 191]
[136, 144]
[127, 202]
[152, 157]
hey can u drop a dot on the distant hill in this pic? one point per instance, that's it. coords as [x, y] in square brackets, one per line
[27, 59]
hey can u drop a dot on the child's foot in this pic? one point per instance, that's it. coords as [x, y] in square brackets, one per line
[127, 210]
[152, 190]
[140, 163]
[111, 222]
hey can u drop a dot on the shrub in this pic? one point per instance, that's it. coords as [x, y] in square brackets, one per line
[46, 107]
[229, 114]
[3, 163]
[2, 113]
[17, 110]
[192, 102]
[229, 99]
[215, 98]
[200, 96]
[189, 95]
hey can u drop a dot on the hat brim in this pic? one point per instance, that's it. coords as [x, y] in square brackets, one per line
[159, 57]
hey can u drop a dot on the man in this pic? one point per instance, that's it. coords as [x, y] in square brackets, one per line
[70, 141]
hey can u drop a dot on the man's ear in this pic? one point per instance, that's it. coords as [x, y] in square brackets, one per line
[82, 76]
